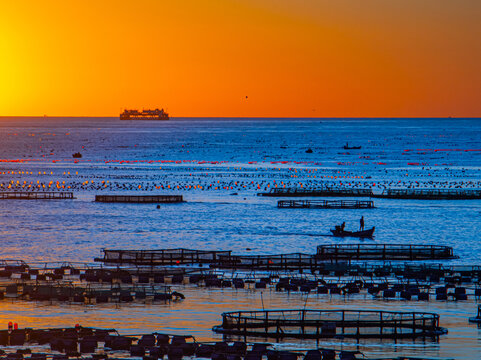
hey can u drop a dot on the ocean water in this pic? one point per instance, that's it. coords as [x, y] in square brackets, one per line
[219, 165]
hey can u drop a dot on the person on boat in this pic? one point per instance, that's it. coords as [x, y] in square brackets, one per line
[343, 225]
[361, 224]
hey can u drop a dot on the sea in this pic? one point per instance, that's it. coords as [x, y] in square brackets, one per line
[219, 165]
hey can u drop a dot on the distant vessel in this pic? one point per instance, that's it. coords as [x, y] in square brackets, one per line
[347, 147]
[144, 115]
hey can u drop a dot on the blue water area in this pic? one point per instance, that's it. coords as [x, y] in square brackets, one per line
[232, 160]
[219, 166]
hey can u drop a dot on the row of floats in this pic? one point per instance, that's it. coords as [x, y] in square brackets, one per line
[92, 285]
[103, 288]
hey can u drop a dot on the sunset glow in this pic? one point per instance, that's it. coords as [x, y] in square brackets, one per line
[311, 58]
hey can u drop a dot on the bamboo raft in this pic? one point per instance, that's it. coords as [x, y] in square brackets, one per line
[316, 324]
[431, 194]
[302, 192]
[139, 198]
[384, 252]
[326, 204]
[36, 195]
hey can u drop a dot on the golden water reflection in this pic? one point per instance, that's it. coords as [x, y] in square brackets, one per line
[202, 309]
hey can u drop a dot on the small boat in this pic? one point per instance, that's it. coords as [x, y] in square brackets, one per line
[347, 147]
[338, 232]
[77, 155]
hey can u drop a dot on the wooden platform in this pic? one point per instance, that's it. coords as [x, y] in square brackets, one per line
[315, 324]
[431, 194]
[139, 198]
[326, 204]
[384, 252]
[300, 192]
[37, 195]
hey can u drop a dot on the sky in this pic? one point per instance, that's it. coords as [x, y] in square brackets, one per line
[273, 58]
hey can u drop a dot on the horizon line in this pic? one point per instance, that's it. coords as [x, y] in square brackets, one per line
[250, 117]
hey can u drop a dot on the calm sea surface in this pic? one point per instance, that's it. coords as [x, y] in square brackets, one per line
[219, 165]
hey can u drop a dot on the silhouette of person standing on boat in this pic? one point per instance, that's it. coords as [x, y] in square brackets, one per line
[361, 224]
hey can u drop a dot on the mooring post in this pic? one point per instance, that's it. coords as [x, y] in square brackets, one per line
[266, 319]
[414, 323]
[302, 321]
[343, 320]
[380, 323]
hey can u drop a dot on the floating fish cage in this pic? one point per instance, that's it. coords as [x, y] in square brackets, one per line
[315, 324]
[8, 267]
[287, 262]
[161, 257]
[91, 343]
[298, 192]
[117, 285]
[325, 204]
[78, 272]
[57, 338]
[90, 293]
[435, 272]
[80, 342]
[216, 259]
[431, 194]
[131, 275]
[248, 267]
[139, 198]
[36, 195]
[384, 252]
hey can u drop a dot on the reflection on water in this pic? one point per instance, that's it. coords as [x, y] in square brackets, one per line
[202, 309]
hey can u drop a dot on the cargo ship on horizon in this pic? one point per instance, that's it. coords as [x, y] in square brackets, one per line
[157, 114]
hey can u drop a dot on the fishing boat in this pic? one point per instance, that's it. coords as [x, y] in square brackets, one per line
[338, 232]
[347, 147]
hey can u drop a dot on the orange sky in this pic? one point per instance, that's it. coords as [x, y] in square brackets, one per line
[301, 58]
